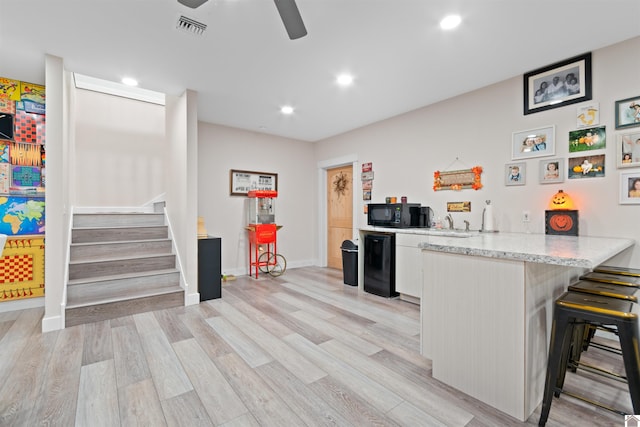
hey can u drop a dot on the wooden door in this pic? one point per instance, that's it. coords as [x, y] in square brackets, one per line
[339, 212]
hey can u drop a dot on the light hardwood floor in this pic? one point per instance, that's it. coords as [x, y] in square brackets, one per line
[302, 349]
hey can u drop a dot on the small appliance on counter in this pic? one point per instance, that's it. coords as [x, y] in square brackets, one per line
[397, 215]
[421, 216]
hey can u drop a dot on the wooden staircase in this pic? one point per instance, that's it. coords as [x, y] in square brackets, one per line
[120, 264]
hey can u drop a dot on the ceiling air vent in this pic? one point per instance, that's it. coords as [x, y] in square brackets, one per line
[190, 26]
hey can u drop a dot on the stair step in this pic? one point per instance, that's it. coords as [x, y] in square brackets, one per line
[121, 287]
[120, 264]
[112, 310]
[135, 264]
[98, 251]
[116, 219]
[118, 234]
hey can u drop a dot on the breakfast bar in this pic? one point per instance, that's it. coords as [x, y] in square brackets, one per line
[486, 308]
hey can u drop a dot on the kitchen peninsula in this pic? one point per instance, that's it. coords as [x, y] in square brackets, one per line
[487, 307]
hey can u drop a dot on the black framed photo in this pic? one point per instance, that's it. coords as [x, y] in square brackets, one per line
[628, 113]
[563, 83]
[241, 182]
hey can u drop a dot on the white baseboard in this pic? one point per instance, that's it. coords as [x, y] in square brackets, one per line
[290, 265]
[192, 299]
[53, 323]
[21, 304]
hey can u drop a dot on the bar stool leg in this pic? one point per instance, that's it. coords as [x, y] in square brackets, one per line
[561, 334]
[628, 334]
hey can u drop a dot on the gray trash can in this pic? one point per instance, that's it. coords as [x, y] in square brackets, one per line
[350, 262]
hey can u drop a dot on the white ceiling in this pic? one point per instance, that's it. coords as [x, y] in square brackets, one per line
[244, 67]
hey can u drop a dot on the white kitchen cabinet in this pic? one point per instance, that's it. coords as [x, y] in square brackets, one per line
[409, 266]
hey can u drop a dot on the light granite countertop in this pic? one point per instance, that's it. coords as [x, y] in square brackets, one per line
[580, 251]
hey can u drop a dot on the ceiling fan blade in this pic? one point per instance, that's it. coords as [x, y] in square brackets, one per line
[291, 18]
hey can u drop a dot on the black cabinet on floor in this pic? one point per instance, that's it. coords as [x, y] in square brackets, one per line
[209, 268]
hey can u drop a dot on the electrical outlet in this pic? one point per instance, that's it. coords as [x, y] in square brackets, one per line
[526, 217]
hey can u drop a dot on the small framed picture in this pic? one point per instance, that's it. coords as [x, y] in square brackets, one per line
[587, 139]
[630, 188]
[551, 171]
[586, 167]
[515, 173]
[628, 150]
[533, 143]
[628, 112]
[588, 115]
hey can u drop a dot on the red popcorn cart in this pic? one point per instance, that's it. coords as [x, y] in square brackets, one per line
[262, 232]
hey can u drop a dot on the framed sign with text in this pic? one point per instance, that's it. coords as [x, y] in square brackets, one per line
[241, 182]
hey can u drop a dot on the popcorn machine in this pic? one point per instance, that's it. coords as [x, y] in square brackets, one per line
[262, 230]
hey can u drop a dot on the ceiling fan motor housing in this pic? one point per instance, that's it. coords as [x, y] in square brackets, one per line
[192, 3]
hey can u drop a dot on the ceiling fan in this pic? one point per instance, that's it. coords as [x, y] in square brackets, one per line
[287, 9]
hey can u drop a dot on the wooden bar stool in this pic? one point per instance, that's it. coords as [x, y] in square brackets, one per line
[574, 308]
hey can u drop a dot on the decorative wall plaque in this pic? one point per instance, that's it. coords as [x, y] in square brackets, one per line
[458, 180]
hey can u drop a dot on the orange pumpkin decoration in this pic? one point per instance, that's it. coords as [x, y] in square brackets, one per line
[561, 201]
[577, 169]
[561, 222]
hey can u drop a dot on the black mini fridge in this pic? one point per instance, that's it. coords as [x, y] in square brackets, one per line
[380, 264]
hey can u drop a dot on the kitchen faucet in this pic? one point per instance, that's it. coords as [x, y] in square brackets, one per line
[449, 218]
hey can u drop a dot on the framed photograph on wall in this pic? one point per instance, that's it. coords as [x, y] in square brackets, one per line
[586, 167]
[628, 149]
[241, 182]
[563, 83]
[515, 173]
[588, 115]
[628, 112]
[630, 188]
[587, 139]
[530, 143]
[551, 171]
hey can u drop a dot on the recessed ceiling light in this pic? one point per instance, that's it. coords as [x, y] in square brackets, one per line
[450, 21]
[287, 109]
[344, 80]
[129, 81]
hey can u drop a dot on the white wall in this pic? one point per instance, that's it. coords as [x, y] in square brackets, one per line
[221, 149]
[56, 207]
[476, 128]
[182, 185]
[120, 150]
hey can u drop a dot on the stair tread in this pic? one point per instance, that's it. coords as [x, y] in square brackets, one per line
[74, 282]
[112, 242]
[119, 258]
[118, 213]
[107, 227]
[130, 294]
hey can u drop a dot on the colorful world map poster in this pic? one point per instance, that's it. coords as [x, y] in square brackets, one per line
[21, 215]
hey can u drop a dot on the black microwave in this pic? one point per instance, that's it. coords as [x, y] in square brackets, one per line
[397, 215]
